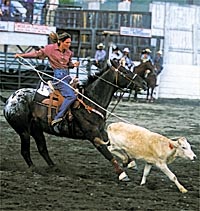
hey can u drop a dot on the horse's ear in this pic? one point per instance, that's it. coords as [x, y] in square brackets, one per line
[109, 63]
[113, 63]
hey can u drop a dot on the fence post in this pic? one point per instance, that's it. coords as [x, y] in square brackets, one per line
[194, 43]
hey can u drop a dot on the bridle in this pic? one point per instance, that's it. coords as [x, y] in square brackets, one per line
[117, 70]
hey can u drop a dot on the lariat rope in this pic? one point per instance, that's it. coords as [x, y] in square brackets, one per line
[40, 72]
[121, 94]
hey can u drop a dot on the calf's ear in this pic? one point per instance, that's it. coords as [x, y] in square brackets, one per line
[181, 140]
[175, 138]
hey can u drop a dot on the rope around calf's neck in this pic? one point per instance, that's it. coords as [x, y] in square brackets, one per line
[58, 80]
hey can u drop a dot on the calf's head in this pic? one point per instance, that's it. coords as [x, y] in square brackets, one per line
[184, 149]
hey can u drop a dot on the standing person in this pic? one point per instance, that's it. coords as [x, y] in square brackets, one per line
[37, 11]
[60, 59]
[158, 62]
[29, 10]
[51, 12]
[6, 10]
[100, 56]
[1, 13]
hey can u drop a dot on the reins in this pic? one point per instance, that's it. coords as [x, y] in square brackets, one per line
[123, 91]
[58, 80]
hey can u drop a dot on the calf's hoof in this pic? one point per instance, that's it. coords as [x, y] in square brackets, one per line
[123, 177]
[183, 190]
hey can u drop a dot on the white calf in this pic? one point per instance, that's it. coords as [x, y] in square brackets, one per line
[129, 141]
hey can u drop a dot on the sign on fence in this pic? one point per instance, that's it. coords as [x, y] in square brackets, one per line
[137, 32]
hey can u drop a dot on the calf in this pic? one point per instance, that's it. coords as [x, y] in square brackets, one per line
[129, 141]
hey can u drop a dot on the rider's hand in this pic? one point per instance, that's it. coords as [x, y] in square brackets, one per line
[76, 64]
[17, 55]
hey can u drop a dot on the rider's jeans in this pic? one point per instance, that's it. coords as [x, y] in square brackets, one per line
[66, 91]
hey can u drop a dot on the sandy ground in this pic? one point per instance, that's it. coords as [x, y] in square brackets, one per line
[84, 180]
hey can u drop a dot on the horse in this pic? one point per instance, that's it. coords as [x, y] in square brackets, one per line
[29, 118]
[147, 71]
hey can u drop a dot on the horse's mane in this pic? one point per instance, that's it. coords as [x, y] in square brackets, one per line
[92, 78]
[143, 64]
[147, 65]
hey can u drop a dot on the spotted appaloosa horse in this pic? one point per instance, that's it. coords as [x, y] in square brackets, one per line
[29, 118]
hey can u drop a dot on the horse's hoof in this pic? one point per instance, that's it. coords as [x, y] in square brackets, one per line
[132, 165]
[123, 177]
[126, 179]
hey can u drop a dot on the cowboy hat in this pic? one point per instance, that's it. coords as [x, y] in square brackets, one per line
[100, 45]
[126, 50]
[159, 52]
[148, 50]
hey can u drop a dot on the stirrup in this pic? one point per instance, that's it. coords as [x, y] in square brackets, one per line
[56, 121]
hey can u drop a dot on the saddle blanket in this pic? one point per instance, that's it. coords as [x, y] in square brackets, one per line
[47, 96]
[44, 90]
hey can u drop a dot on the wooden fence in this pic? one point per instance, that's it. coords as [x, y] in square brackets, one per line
[92, 24]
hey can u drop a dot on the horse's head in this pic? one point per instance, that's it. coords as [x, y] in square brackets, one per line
[125, 78]
[148, 65]
[143, 67]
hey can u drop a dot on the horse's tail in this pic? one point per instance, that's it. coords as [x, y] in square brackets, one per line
[3, 99]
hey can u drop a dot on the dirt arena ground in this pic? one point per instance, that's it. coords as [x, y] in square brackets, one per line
[84, 180]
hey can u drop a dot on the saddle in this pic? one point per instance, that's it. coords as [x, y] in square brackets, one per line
[47, 96]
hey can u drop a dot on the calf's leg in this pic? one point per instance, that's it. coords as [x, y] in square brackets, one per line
[171, 176]
[146, 172]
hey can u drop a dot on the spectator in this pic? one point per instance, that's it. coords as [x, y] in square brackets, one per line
[1, 13]
[6, 10]
[116, 54]
[51, 12]
[158, 62]
[37, 11]
[145, 55]
[29, 10]
[18, 11]
[126, 60]
[100, 56]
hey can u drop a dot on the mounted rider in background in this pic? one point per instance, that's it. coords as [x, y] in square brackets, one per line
[158, 62]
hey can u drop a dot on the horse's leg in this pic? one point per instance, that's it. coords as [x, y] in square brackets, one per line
[37, 134]
[152, 99]
[103, 149]
[147, 97]
[130, 92]
[25, 147]
[135, 94]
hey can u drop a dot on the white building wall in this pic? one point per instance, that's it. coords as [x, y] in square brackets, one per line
[180, 27]
[180, 81]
